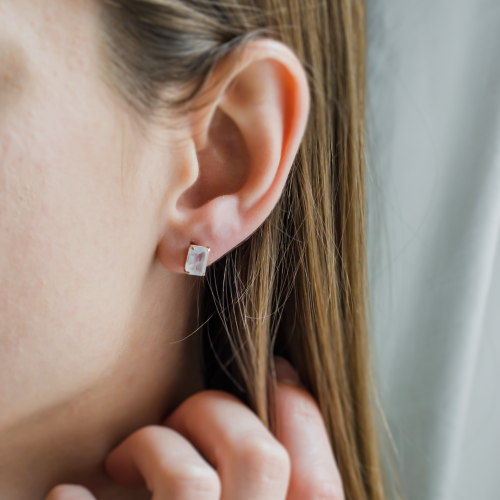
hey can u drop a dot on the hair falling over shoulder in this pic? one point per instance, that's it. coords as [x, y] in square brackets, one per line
[298, 286]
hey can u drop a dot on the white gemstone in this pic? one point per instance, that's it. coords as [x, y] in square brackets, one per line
[196, 262]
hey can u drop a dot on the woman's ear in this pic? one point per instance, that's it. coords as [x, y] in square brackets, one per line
[242, 142]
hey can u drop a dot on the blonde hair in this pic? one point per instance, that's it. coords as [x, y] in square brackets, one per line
[297, 287]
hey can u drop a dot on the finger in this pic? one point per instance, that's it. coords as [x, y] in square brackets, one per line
[169, 465]
[251, 463]
[70, 492]
[300, 428]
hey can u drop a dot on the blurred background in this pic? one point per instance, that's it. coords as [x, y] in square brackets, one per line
[434, 205]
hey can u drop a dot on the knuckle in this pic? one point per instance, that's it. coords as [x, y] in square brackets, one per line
[68, 492]
[302, 408]
[148, 432]
[264, 459]
[207, 398]
[190, 480]
[57, 493]
[304, 404]
[325, 490]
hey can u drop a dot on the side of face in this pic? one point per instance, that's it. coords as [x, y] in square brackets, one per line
[77, 209]
[98, 207]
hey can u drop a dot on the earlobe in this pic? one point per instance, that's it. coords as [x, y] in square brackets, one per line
[245, 140]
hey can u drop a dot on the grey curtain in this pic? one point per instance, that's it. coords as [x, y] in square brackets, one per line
[434, 254]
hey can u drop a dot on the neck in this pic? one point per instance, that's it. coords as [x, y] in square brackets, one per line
[68, 443]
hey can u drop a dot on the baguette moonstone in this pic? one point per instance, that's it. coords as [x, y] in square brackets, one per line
[196, 262]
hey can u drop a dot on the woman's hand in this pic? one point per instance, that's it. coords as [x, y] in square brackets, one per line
[213, 447]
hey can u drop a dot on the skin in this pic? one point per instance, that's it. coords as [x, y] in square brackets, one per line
[97, 209]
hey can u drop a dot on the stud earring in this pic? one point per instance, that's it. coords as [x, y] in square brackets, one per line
[196, 260]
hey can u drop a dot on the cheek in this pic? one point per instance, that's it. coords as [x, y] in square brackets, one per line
[69, 228]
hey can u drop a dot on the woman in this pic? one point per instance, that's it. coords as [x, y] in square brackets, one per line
[131, 130]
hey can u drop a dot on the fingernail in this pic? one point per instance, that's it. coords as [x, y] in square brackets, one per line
[285, 372]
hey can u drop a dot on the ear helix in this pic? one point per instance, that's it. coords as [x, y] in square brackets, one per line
[196, 260]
